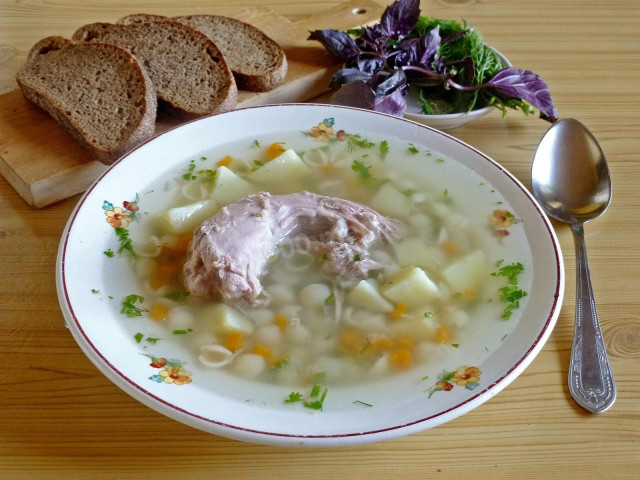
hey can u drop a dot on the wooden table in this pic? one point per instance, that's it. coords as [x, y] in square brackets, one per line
[61, 418]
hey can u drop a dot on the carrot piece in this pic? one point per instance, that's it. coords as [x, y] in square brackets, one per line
[281, 321]
[274, 150]
[400, 358]
[183, 243]
[443, 334]
[450, 248]
[262, 351]
[398, 311]
[470, 294]
[381, 343]
[168, 269]
[225, 162]
[234, 341]
[157, 281]
[405, 342]
[353, 342]
[159, 311]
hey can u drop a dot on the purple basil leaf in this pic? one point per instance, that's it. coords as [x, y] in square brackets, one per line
[469, 70]
[429, 46]
[453, 37]
[338, 43]
[369, 65]
[360, 95]
[526, 85]
[391, 83]
[394, 103]
[399, 18]
[372, 40]
[405, 54]
[348, 75]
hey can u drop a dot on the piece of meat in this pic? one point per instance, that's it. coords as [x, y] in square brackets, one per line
[229, 251]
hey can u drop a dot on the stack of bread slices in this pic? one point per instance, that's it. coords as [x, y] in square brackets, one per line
[106, 83]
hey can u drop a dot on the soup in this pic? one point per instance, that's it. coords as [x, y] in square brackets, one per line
[447, 276]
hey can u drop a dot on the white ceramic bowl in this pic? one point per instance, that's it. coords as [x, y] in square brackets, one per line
[86, 279]
[450, 120]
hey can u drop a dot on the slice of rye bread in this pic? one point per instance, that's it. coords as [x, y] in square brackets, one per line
[189, 72]
[98, 92]
[258, 62]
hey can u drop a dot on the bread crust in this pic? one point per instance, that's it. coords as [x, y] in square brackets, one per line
[226, 96]
[246, 81]
[144, 126]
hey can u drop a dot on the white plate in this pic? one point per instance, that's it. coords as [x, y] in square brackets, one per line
[450, 120]
[413, 405]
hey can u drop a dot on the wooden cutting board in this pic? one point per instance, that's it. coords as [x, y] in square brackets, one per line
[44, 164]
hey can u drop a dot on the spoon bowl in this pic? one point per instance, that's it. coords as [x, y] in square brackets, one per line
[570, 179]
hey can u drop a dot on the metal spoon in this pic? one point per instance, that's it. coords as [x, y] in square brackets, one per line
[570, 179]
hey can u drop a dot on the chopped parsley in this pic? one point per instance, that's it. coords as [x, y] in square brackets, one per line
[363, 403]
[109, 253]
[125, 241]
[280, 363]
[129, 307]
[152, 340]
[182, 332]
[356, 257]
[440, 160]
[315, 391]
[189, 174]
[316, 404]
[428, 314]
[362, 170]
[139, 336]
[207, 175]
[455, 345]
[256, 144]
[413, 149]
[179, 297]
[510, 294]
[384, 149]
[294, 397]
[357, 141]
[329, 300]
[258, 163]
[94, 291]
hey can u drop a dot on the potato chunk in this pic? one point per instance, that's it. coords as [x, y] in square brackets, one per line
[414, 251]
[390, 201]
[185, 219]
[411, 286]
[467, 272]
[366, 295]
[288, 167]
[225, 319]
[229, 187]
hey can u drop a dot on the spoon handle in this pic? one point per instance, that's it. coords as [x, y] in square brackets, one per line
[590, 379]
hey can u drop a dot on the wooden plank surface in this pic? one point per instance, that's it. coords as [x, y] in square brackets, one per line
[45, 165]
[61, 418]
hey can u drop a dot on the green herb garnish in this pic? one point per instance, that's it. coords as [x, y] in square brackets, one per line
[510, 294]
[189, 174]
[362, 170]
[182, 332]
[356, 257]
[125, 241]
[129, 307]
[329, 300]
[363, 403]
[152, 340]
[455, 345]
[294, 397]
[428, 314]
[109, 253]
[384, 149]
[316, 404]
[139, 336]
[94, 291]
[179, 297]
[413, 149]
[256, 144]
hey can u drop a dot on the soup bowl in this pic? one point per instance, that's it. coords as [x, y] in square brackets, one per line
[95, 285]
